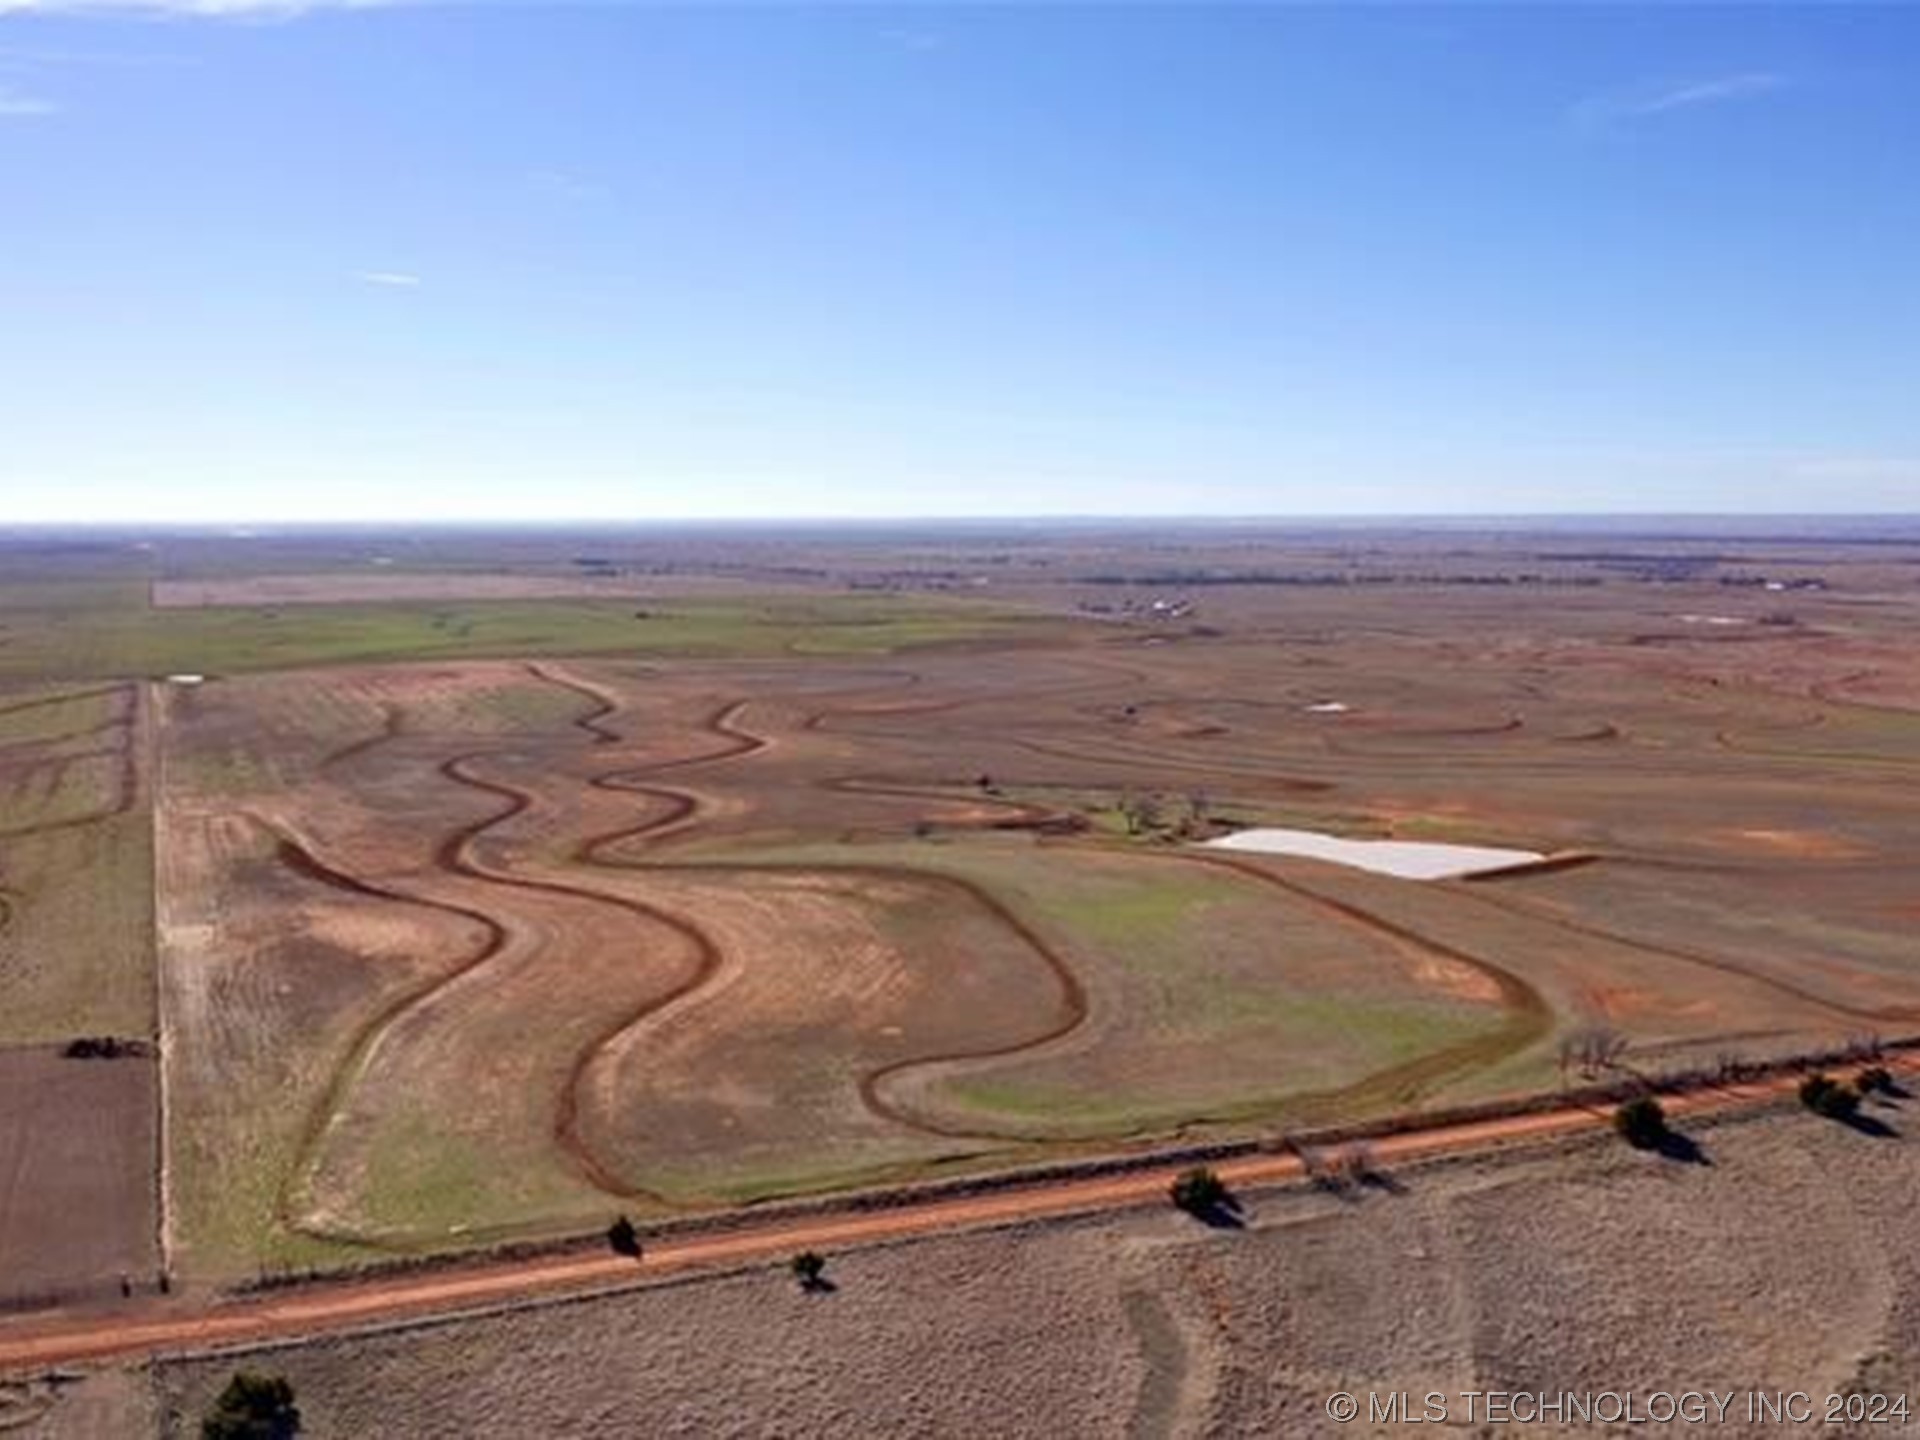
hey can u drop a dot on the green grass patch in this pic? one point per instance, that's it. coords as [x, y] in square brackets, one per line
[427, 1176]
[1223, 1000]
[133, 640]
[750, 1183]
[76, 933]
[427, 1183]
[1136, 921]
[1304, 1046]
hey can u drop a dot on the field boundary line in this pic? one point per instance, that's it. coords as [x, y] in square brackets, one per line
[150, 742]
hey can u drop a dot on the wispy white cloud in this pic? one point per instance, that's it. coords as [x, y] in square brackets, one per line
[1710, 92]
[389, 279]
[1598, 111]
[17, 105]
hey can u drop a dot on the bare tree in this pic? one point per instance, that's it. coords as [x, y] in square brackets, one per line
[1592, 1051]
[1199, 813]
[1141, 812]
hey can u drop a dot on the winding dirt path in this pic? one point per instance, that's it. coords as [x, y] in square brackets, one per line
[296, 855]
[683, 806]
[1072, 997]
[683, 809]
[631, 848]
[604, 704]
[1109, 675]
[1530, 1017]
[456, 854]
[392, 725]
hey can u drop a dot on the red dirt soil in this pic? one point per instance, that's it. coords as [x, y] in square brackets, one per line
[153, 1328]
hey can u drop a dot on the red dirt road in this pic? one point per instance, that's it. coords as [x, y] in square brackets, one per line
[44, 1341]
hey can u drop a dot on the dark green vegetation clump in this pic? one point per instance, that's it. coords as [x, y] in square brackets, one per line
[1874, 1080]
[1200, 1192]
[810, 1269]
[623, 1239]
[1642, 1122]
[1832, 1098]
[106, 1047]
[253, 1407]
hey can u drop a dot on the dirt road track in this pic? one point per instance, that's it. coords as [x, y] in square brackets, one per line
[39, 1342]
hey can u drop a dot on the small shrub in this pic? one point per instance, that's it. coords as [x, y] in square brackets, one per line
[253, 1407]
[623, 1238]
[1199, 1191]
[1874, 1080]
[810, 1269]
[1826, 1096]
[1642, 1122]
[106, 1047]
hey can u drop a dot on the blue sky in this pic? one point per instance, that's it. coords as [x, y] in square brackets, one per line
[474, 262]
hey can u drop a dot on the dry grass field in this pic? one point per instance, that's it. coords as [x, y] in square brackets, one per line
[516, 943]
[78, 1187]
[490, 899]
[1586, 1267]
[75, 895]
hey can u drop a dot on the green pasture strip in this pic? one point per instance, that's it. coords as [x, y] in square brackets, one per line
[76, 932]
[135, 640]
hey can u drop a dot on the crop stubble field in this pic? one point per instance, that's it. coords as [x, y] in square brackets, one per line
[787, 893]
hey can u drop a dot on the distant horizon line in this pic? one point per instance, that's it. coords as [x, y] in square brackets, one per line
[240, 526]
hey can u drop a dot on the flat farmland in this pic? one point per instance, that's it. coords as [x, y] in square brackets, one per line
[120, 634]
[75, 916]
[78, 1143]
[77, 1195]
[517, 943]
